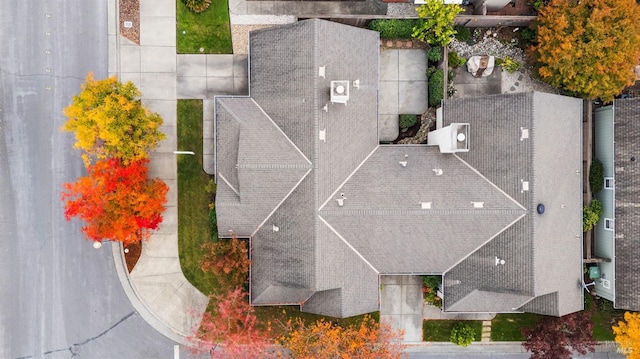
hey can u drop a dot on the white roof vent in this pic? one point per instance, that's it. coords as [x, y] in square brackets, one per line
[340, 92]
[425, 205]
[356, 84]
[276, 228]
[438, 171]
[321, 71]
[403, 163]
[323, 135]
[524, 133]
[525, 185]
[499, 261]
[478, 204]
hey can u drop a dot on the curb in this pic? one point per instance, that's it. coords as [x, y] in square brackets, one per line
[491, 347]
[138, 304]
[116, 247]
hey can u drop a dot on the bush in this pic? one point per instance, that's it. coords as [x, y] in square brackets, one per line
[213, 222]
[407, 121]
[508, 64]
[430, 285]
[462, 334]
[393, 28]
[436, 88]
[197, 6]
[596, 176]
[463, 33]
[454, 60]
[434, 54]
[451, 75]
[591, 215]
[528, 34]
[605, 306]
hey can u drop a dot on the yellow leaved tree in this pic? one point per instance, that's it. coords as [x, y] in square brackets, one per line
[588, 47]
[628, 335]
[109, 121]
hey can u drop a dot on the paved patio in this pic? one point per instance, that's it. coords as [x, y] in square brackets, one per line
[468, 86]
[403, 88]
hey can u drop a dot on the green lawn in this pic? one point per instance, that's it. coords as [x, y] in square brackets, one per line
[604, 317]
[193, 201]
[440, 330]
[209, 30]
[506, 327]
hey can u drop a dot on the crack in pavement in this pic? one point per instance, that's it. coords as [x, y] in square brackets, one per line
[75, 348]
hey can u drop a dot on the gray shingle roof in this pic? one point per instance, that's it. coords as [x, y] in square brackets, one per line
[393, 219]
[257, 166]
[394, 233]
[542, 253]
[627, 197]
[285, 81]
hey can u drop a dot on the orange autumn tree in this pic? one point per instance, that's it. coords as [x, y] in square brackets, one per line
[117, 202]
[228, 260]
[324, 340]
[232, 332]
[588, 47]
[628, 335]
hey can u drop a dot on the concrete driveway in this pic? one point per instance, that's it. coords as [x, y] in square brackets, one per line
[401, 304]
[402, 88]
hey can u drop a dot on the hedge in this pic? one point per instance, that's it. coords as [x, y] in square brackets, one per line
[596, 176]
[436, 88]
[393, 28]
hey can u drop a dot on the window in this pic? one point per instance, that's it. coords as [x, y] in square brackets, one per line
[609, 183]
[609, 224]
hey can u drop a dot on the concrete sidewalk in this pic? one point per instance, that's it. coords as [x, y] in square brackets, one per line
[157, 287]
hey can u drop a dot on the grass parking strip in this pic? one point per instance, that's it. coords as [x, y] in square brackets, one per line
[193, 201]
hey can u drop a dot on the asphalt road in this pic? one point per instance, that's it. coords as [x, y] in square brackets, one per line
[59, 297]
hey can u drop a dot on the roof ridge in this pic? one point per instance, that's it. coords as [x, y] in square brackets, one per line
[348, 177]
[385, 212]
[491, 183]
[229, 184]
[484, 243]
[348, 244]
[274, 166]
[280, 203]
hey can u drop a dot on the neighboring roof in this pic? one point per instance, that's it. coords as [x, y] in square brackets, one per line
[327, 217]
[542, 253]
[627, 199]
